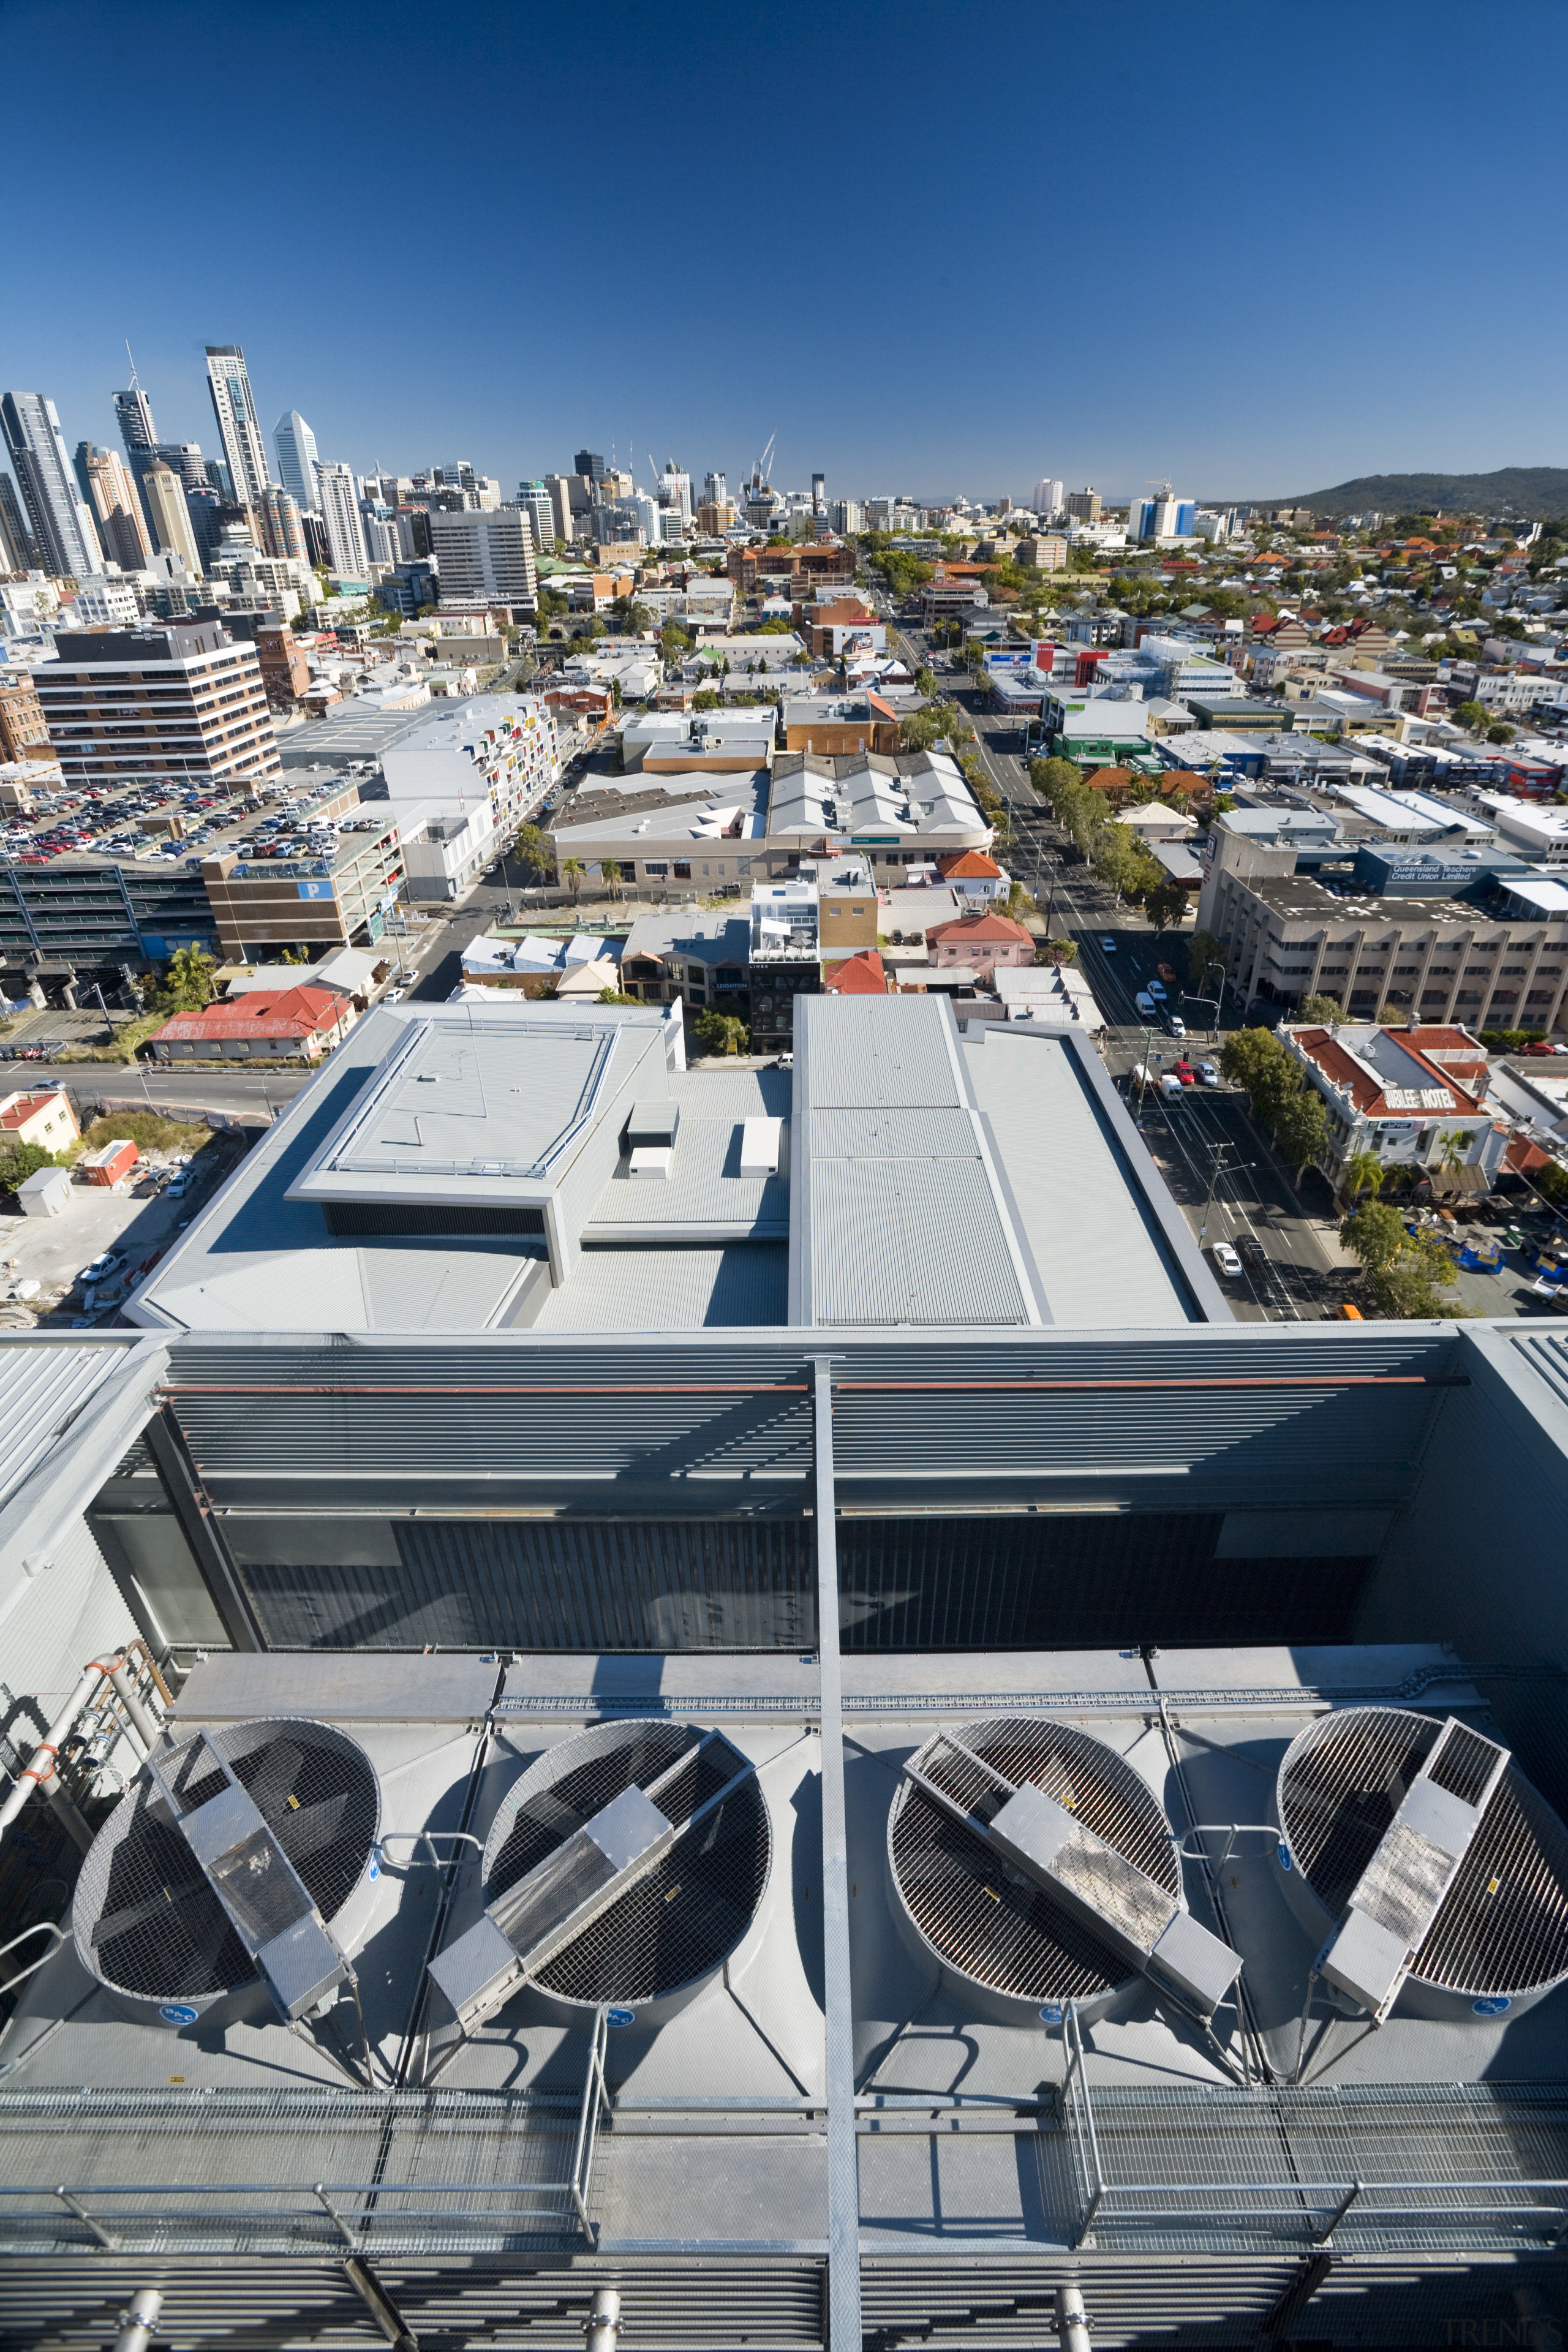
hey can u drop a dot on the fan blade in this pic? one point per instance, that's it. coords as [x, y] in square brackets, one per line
[161, 1905]
[274, 1783]
[313, 1827]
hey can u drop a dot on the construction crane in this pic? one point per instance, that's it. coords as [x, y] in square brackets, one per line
[758, 476]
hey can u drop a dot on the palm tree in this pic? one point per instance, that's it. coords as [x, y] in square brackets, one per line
[1362, 1173]
[610, 874]
[572, 873]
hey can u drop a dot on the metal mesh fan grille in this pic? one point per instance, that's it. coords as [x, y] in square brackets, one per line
[696, 1902]
[987, 1920]
[148, 1918]
[1502, 1928]
[545, 1816]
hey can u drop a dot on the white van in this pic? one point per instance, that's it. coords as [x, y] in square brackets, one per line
[1146, 1004]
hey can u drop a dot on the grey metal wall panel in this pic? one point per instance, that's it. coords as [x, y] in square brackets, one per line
[552, 1584]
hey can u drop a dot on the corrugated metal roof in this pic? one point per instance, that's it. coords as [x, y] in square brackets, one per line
[1546, 1356]
[886, 1050]
[44, 1384]
[671, 1290]
[893, 1134]
[930, 1247]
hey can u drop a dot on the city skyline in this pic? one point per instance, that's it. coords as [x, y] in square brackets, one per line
[1005, 286]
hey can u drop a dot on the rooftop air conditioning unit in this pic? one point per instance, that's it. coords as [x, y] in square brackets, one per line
[621, 1871]
[1037, 1865]
[1438, 1874]
[238, 1869]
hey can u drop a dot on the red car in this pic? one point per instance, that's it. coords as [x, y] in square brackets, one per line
[1186, 1072]
[1540, 1047]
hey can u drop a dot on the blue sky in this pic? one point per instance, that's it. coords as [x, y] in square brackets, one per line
[1258, 250]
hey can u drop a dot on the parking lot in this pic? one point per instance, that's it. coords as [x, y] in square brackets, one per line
[132, 1219]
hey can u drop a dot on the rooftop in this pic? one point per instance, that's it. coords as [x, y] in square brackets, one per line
[467, 1169]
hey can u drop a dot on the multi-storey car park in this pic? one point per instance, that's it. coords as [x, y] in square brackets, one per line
[901, 1790]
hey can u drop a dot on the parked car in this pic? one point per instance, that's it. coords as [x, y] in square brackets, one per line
[1225, 1258]
[109, 1262]
[181, 1184]
[1207, 1074]
[395, 996]
[1175, 1025]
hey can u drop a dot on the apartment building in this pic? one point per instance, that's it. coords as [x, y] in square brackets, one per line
[486, 553]
[181, 701]
[24, 731]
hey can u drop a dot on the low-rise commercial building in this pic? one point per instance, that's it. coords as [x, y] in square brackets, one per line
[979, 943]
[1411, 1098]
[24, 730]
[333, 900]
[297, 1025]
[40, 1114]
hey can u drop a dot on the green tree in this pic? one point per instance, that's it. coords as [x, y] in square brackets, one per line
[610, 874]
[20, 1161]
[1255, 1060]
[1362, 1173]
[925, 681]
[1472, 715]
[1417, 1283]
[535, 848]
[1166, 904]
[1499, 733]
[1302, 1128]
[721, 1032]
[1375, 1233]
[188, 984]
[1058, 952]
[705, 700]
[1325, 1009]
[573, 871]
[616, 996]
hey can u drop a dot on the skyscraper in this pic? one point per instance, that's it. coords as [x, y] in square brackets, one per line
[485, 554]
[105, 479]
[714, 491]
[296, 446]
[235, 408]
[340, 512]
[18, 549]
[1047, 497]
[279, 516]
[819, 494]
[534, 500]
[62, 523]
[588, 462]
[165, 495]
[134, 412]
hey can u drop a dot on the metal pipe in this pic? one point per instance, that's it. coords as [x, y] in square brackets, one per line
[1072, 2320]
[138, 2323]
[142, 1723]
[40, 1765]
[603, 2329]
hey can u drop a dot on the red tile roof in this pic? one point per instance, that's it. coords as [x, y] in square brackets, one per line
[857, 975]
[293, 1013]
[979, 926]
[22, 1110]
[1367, 1092]
[970, 865]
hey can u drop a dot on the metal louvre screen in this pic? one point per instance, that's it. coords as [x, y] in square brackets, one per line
[1028, 1581]
[655, 1584]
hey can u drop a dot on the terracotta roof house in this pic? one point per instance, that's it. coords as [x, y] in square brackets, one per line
[857, 975]
[980, 942]
[974, 875]
[297, 1025]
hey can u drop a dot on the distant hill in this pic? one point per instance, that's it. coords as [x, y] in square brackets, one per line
[1539, 492]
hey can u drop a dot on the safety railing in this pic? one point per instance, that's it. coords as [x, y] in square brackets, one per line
[1222, 2165]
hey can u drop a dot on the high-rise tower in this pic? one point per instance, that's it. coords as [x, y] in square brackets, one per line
[235, 408]
[62, 522]
[296, 446]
